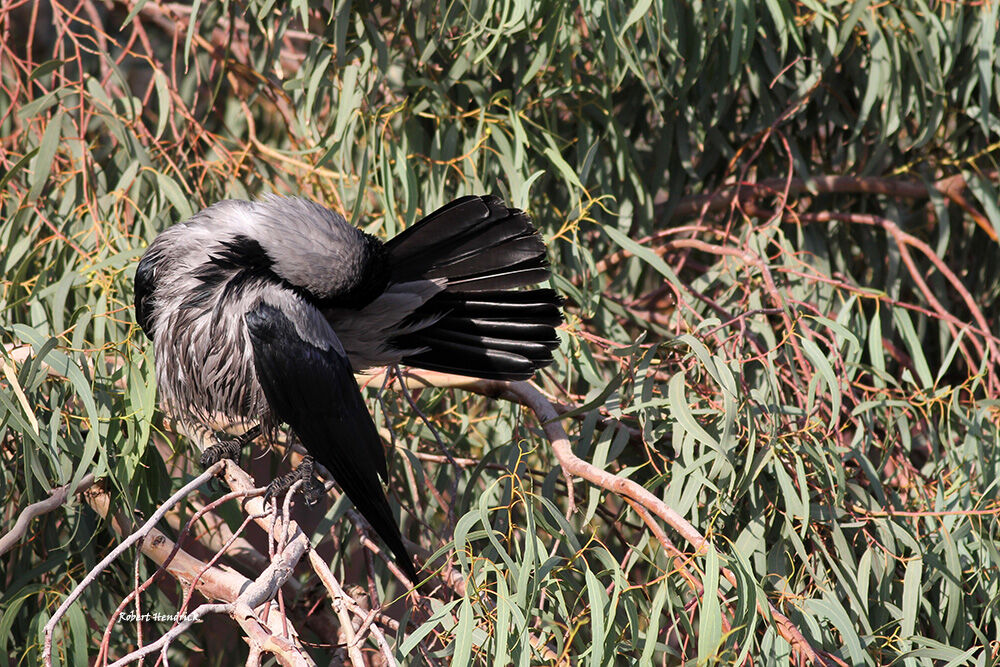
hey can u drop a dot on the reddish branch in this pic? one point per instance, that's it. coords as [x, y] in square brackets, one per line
[525, 394]
[746, 195]
[976, 339]
[951, 188]
[903, 242]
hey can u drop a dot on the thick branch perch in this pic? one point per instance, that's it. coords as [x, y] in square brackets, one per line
[118, 551]
[241, 595]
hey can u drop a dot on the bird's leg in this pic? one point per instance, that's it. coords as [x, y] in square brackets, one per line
[229, 449]
[312, 490]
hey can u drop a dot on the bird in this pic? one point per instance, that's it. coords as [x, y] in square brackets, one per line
[261, 312]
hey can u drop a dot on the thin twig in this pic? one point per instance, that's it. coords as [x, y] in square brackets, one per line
[53, 502]
[337, 597]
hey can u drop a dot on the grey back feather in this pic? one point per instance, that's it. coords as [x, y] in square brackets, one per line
[311, 246]
[366, 333]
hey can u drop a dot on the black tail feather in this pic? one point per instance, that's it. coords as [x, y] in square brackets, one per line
[502, 329]
[499, 335]
[526, 250]
[474, 360]
[480, 325]
[416, 240]
[472, 236]
[531, 350]
[528, 272]
[540, 306]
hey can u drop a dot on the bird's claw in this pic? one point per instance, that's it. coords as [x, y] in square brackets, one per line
[229, 449]
[222, 449]
[312, 490]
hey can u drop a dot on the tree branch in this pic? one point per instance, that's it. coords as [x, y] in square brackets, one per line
[53, 502]
[530, 397]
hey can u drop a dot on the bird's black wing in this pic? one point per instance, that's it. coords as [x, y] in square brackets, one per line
[310, 386]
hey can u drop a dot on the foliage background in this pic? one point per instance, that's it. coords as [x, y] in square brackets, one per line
[805, 368]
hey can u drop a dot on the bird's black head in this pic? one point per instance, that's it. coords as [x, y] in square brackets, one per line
[145, 278]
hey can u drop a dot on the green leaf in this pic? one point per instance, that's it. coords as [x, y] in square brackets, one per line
[42, 164]
[18, 166]
[162, 100]
[832, 610]
[681, 411]
[911, 596]
[634, 16]
[463, 633]
[643, 253]
[597, 599]
[442, 613]
[914, 347]
[45, 68]
[710, 611]
[822, 364]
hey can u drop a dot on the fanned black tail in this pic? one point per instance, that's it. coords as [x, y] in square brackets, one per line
[481, 325]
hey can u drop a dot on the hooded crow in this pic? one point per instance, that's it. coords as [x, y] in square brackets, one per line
[262, 312]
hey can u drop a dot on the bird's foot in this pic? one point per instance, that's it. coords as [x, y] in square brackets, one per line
[222, 449]
[228, 449]
[312, 490]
